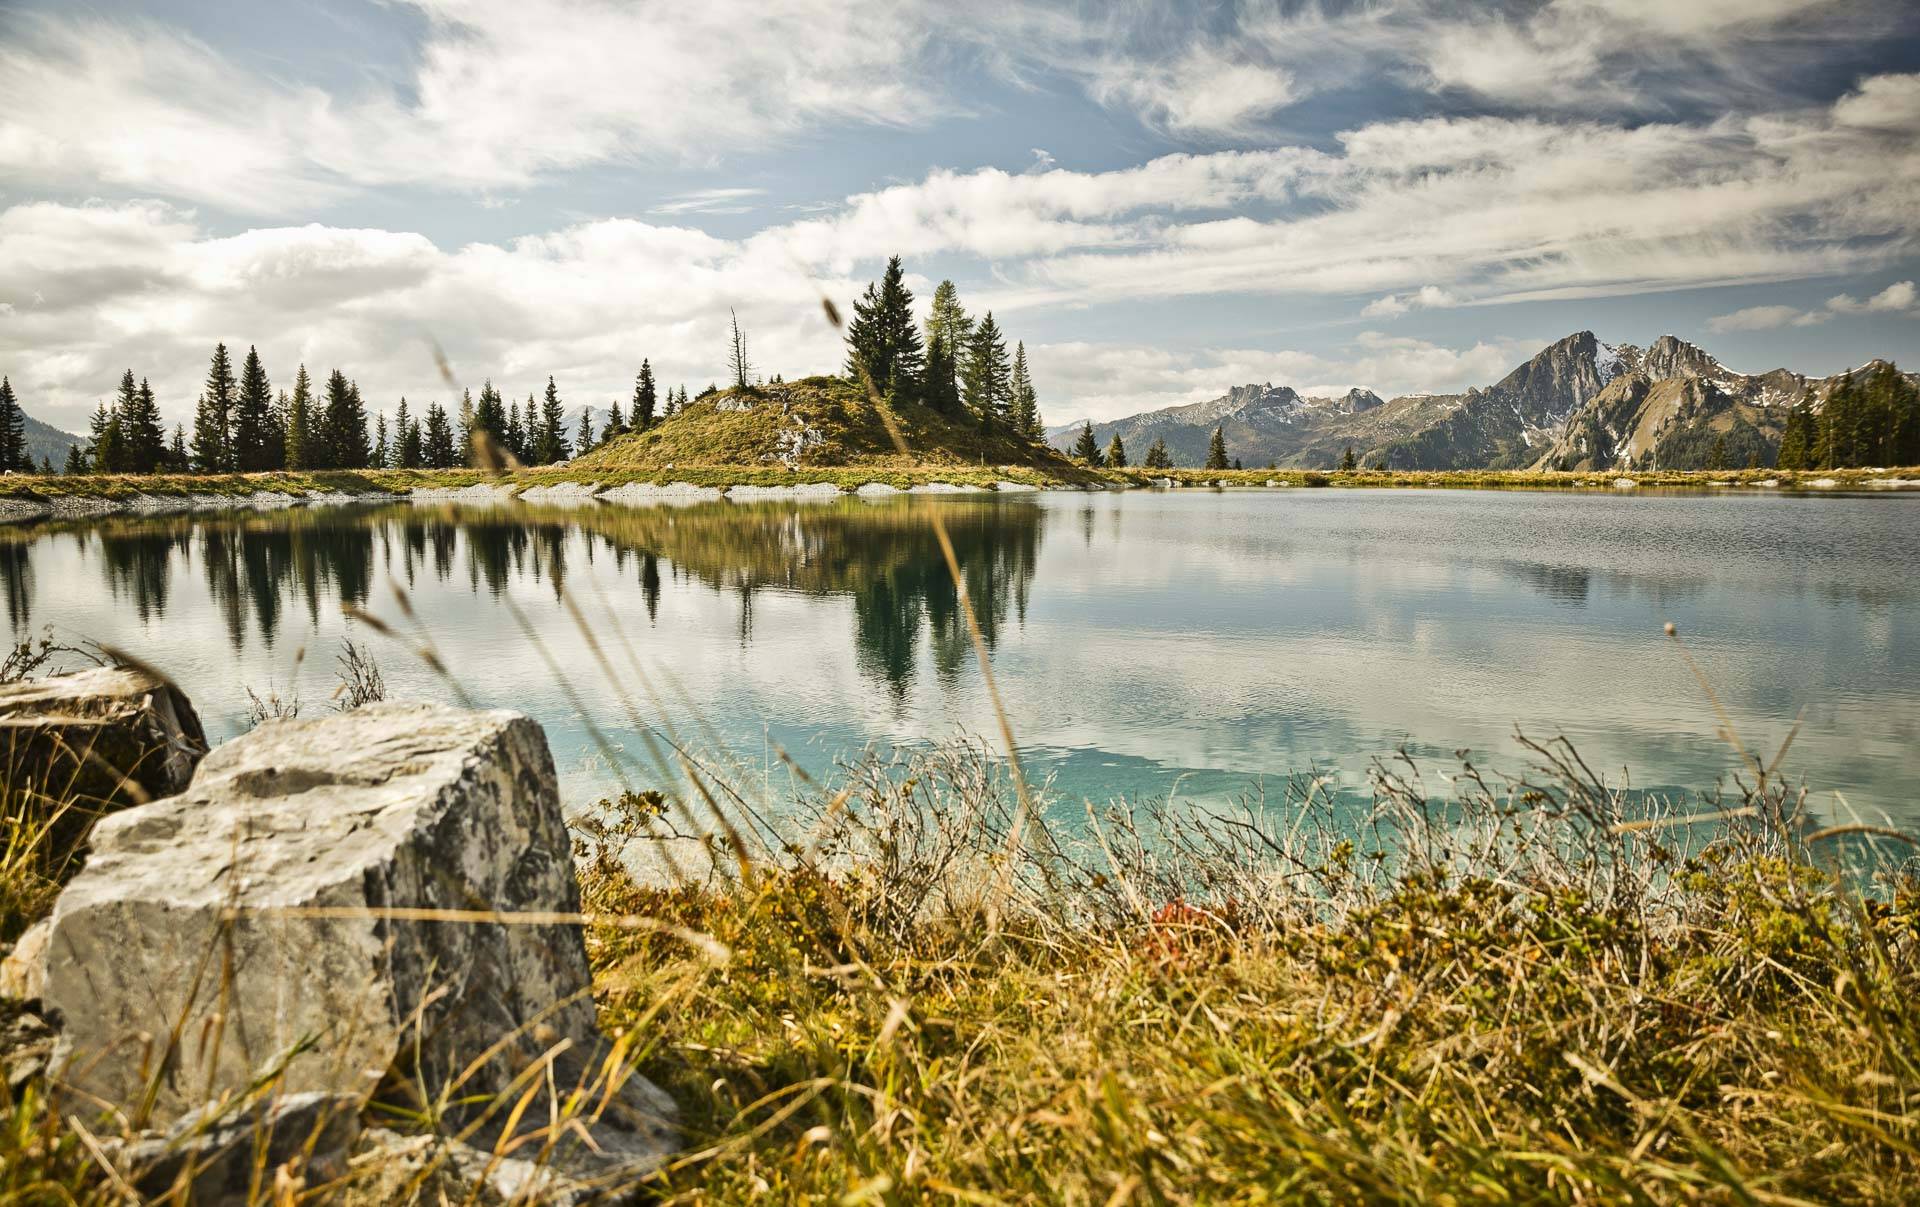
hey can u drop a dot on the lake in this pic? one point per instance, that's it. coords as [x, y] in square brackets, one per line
[1193, 642]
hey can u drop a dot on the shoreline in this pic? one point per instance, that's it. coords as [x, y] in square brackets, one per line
[26, 497]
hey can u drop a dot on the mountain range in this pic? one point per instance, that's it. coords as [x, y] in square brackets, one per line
[1579, 404]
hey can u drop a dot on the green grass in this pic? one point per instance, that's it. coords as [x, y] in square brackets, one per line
[813, 424]
[927, 1011]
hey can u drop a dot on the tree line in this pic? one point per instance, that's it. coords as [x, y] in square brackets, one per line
[241, 425]
[958, 367]
[1872, 420]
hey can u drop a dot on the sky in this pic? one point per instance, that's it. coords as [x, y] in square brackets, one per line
[1160, 200]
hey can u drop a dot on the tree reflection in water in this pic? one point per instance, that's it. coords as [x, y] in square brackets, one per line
[885, 557]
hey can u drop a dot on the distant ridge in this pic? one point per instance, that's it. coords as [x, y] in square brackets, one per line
[1579, 403]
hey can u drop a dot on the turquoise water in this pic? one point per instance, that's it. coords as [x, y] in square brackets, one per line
[1196, 642]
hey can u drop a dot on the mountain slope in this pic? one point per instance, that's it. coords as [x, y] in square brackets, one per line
[48, 443]
[1577, 404]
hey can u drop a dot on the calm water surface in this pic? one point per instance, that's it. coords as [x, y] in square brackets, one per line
[1191, 642]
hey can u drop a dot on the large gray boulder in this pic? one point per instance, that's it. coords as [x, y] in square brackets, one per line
[98, 739]
[264, 924]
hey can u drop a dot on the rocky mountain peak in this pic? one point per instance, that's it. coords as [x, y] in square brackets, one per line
[1671, 356]
[1251, 396]
[1357, 400]
[1561, 378]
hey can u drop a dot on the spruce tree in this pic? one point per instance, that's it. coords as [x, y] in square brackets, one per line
[616, 423]
[883, 341]
[76, 461]
[1157, 455]
[381, 452]
[516, 433]
[143, 442]
[1025, 407]
[436, 447]
[988, 376]
[103, 449]
[401, 417]
[1217, 450]
[253, 417]
[177, 460]
[1084, 446]
[1116, 453]
[13, 429]
[586, 429]
[644, 398]
[300, 423]
[213, 417]
[1347, 463]
[550, 443]
[1798, 437]
[949, 329]
[469, 426]
[279, 413]
[341, 436]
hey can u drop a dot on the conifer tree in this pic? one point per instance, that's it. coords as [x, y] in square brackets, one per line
[549, 430]
[408, 453]
[436, 447]
[13, 429]
[469, 426]
[586, 429]
[643, 397]
[213, 417]
[280, 413]
[1084, 446]
[1025, 405]
[381, 451]
[103, 449]
[737, 362]
[516, 433]
[988, 376]
[1116, 453]
[300, 423]
[401, 417]
[1347, 463]
[253, 417]
[341, 435]
[143, 441]
[949, 329]
[1157, 455]
[883, 341]
[177, 460]
[616, 423]
[1217, 450]
[76, 461]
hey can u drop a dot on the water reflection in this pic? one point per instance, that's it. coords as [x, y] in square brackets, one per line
[886, 559]
[1142, 641]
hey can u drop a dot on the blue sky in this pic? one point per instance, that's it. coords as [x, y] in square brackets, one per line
[1162, 200]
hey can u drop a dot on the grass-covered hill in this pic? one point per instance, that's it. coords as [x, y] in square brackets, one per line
[817, 421]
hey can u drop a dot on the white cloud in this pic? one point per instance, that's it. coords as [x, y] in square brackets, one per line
[1765, 318]
[711, 201]
[1894, 299]
[1102, 381]
[503, 92]
[1204, 90]
[1427, 213]
[1393, 305]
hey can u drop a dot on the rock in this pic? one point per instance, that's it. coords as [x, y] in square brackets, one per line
[20, 970]
[1624, 483]
[1007, 486]
[390, 1168]
[26, 1043]
[876, 490]
[640, 494]
[102, 738]
[310, 1134]
[244, 918]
